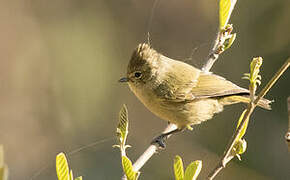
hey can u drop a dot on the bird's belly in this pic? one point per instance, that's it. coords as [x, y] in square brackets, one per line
[180, 113]
[184, 113]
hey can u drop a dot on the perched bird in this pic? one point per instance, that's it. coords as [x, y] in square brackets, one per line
[178, 92]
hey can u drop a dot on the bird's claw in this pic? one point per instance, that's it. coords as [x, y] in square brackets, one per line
[160, 141]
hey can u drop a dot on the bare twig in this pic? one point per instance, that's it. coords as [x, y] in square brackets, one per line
[227, 157]
[213, 55]
[150, 150]
[223, 41]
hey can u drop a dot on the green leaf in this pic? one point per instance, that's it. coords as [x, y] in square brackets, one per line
[79, 178]
[122, 128]
[230, 41]
[244, 128]
[239, 148]
[225, 9]
[128, 169]
[255, 78]
[178, 168]
[71, 176]
[62, 168]
[193, 170]
[240, 145]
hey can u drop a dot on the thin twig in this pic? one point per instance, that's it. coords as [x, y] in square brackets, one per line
[150, 150]
[213, 56]
[227, 157]
[273, 80]
[148, 153]
[219, 46]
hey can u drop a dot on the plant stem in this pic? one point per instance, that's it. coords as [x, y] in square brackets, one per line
[213, 56]
[227, 157]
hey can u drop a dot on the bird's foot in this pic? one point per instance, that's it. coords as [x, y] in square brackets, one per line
[160, 141]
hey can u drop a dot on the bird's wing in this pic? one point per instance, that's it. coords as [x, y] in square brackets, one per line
[182, 82]
[210, 85]
[177, 82]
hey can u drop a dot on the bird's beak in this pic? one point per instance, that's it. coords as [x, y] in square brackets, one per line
[124, 79]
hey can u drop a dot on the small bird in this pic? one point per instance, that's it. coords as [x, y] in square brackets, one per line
[178, 92]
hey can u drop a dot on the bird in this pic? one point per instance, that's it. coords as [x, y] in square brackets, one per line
[178, 92]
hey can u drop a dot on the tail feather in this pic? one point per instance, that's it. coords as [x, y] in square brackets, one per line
[263, 103]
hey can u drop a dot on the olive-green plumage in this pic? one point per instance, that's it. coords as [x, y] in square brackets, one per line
[178, 92]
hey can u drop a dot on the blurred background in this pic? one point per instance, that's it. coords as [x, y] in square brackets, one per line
[60, 62]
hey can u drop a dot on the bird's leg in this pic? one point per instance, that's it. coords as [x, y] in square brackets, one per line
[160, 140]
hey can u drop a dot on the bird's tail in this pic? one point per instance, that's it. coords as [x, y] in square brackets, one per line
[263, 103]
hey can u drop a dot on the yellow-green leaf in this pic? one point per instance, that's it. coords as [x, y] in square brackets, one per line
[244, 128]
[128, 169]
[71, 176]
[122, 128]
[225, 9]
[62, 168]
[178, 168]
[79, 178]
[239, 148]
[254, 77]
[230, 41]
[255, 66]
[193, 170]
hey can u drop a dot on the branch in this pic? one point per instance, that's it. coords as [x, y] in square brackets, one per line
[227, 155]
[223, 41]
[152, 149]
[213, 55]
[224, 37]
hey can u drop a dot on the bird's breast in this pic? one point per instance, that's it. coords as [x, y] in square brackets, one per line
[164, 109]
[180, 113]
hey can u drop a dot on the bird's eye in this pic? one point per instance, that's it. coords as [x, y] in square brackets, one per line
[137, 74]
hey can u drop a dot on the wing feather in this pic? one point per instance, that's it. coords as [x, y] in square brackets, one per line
[211, 85]
[182, 82]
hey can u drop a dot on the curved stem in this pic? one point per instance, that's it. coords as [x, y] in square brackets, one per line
[227, 157]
